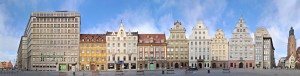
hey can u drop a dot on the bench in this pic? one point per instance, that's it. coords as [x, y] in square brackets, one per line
[140, 72]
[226, 70]
[119, 72]
[170, 72]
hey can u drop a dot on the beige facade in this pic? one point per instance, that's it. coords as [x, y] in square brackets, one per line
[264, 50]
[241, 47]
[219, 50]
[121, 49]
[177, 52]
[199, 47]
[53, 41]
[22, 54]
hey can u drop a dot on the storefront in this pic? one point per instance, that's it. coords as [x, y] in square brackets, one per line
[63, 67]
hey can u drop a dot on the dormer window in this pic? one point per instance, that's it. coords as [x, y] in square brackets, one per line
[199, 26]
[97, 40]
[141, 41]
[92, 40]
[161, 40]
[241, 25]
[82, 40]
[88, 40]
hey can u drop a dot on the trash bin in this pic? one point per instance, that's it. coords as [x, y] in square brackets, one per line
[162, 72]
[208, 71]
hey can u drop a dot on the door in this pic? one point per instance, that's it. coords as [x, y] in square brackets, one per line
[176, 65]
[241, 65]
[93, 67]
[200, 65]
[102, 67]
[62, 67]
[118, 66]
[214, 65]
[151, 66]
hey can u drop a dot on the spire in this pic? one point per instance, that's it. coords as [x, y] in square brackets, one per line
[291, 31]
[241, 20]
[121, 24]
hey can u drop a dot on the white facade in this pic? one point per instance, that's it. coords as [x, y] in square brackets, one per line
[199, 47]
[241, 47]
[121, 49]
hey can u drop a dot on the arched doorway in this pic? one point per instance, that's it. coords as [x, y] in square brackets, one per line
[241, 65]
[93, 67]
[200, 65]
[176, 65]
[214, 65]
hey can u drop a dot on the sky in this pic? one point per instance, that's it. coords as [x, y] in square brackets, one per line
[155, 16]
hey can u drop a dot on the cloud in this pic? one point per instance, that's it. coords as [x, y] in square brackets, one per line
[208, 11]
[278, 16]
[8, 39]
[134, 20]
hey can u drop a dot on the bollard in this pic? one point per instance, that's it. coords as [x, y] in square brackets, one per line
[208, 71]
[162, 72]
[73, 73]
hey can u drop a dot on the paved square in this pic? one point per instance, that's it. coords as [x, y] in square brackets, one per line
[178, 72]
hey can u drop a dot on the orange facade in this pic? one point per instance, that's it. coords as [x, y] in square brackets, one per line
[6, 65]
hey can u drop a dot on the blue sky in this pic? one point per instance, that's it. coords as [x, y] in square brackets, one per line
[155, 16]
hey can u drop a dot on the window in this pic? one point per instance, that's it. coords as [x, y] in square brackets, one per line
[124, 44]
[124, 58]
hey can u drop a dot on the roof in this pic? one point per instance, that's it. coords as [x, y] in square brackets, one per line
[133, 33]
[92, 38]
[271, 41]
[157, 38]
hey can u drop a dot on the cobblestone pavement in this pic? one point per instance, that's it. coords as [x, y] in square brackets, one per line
[178, 72]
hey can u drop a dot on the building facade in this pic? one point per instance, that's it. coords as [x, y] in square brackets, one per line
[53, 41]
[177, 47]
[291, 53]
[199, 47]
[22, 54]
[93, 52]
[6, 65]
[121, 49]
[241, 47]
[281, 62]
[152, 51]
[219, 50]
[297, 61]
[264, 50]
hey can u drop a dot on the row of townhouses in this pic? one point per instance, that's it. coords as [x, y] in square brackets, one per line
[52, 42]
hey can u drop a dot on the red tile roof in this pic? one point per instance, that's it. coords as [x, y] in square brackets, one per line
[92, 38]
[157, 38]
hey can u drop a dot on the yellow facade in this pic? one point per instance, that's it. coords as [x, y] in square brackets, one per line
[92, 53]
